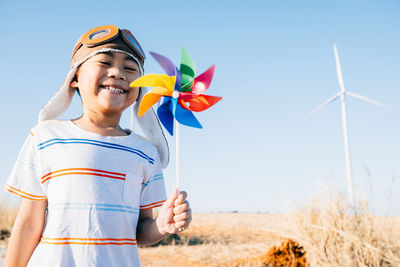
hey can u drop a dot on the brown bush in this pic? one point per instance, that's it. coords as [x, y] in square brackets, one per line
[288, 254]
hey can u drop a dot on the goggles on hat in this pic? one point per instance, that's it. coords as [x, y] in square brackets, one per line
[106, 33]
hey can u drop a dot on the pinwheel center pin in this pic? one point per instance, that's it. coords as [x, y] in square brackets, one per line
[175, 94]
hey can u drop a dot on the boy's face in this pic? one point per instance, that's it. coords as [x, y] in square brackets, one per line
[103, 81]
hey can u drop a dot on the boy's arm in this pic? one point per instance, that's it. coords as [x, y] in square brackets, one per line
[26, 232]
[147, 232]
[174, 217]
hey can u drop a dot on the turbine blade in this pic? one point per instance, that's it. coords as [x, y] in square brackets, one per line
[338, 68]
[323, 104]
[367, 99]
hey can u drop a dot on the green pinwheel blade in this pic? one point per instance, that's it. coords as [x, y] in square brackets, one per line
[187, 70]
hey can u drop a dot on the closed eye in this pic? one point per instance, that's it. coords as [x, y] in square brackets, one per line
[131, 69]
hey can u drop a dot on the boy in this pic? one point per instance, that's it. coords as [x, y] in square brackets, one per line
[87, 185]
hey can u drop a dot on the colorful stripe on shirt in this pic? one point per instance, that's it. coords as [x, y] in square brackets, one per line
[153, 179]
[82, 171]
[95, 206]
[152, 205]
[94, 143]
[87, 241]
[23, 194]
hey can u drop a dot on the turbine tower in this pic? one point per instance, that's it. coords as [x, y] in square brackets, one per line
[341, 94]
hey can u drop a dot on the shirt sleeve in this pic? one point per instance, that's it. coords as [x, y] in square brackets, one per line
[24, 180]
[153, 188]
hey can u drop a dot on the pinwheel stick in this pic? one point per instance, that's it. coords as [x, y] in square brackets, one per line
[177, 132]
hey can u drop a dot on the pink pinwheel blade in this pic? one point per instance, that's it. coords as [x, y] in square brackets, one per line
[203, 81]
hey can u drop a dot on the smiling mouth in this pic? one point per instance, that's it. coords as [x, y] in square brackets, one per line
[114, 90]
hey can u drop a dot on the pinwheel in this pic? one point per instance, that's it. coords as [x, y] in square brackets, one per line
[181, 93]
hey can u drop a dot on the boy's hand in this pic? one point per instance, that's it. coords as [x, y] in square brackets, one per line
[175, 215]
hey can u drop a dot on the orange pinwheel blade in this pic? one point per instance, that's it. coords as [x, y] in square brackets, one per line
[152, 97]
[154, 80]
[198, 103]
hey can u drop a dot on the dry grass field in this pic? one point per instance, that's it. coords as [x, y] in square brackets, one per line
[330, 231]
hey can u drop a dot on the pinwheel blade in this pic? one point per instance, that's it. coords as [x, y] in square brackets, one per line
[187, 70]
[324, 104]
[174, 103]
[186, 117]
[203, 81]
[198, 102]
[178, 79]
[165, 63]
[367, 99]
[165, 115]
[152, 97]
[154, 80]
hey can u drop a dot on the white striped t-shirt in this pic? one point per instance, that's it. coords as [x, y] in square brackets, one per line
[95, 187]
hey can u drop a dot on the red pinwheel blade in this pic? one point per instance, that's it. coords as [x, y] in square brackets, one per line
[197, 103]
[203, 81]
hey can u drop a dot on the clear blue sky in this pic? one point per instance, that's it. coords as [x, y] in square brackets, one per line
[274, 63]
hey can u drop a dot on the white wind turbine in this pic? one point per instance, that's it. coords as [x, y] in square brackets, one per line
[341, 94]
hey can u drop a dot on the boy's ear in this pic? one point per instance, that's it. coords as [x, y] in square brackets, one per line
[74, 83]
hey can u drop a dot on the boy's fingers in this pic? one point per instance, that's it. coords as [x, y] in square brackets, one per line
[171, 199]
[182, 208]
[180, 225]
[181, 198]
[183, 216]
[183, 224]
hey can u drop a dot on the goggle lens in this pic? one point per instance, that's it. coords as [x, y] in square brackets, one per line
[133, 43]
[99, 34]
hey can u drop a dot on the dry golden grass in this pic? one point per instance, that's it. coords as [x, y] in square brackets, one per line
[228, 238]
[331, 231]
[7, 218]
[335, 233]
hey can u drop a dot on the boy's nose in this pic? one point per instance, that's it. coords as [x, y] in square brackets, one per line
[116, 73]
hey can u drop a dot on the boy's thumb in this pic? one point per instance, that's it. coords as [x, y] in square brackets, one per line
[171, 199]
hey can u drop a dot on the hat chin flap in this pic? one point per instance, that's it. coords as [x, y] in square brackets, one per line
[60, 101]
[152, 129]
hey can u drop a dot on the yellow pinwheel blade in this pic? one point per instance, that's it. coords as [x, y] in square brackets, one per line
[169, 81]
[152, 97]
[154, 80]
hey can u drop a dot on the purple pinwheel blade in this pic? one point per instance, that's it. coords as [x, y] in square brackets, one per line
[165, 115]
[178, 80]
[165, 63]
[186, 117]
